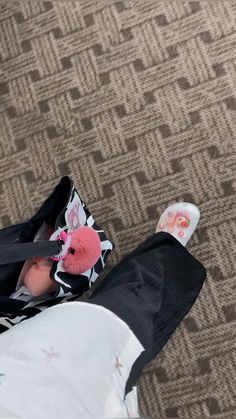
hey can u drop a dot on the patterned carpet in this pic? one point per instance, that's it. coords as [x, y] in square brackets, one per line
[136, 100]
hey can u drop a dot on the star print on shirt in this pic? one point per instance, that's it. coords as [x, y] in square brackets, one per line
[49, 355]
[128, 412]
[118, 365]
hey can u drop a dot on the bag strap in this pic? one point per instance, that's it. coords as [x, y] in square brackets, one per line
[16, 252]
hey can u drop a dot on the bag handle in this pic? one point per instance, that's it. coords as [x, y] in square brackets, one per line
[16, 252]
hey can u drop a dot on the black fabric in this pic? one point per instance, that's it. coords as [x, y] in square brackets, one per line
[21, 251]
[9, 272]
[152, 289]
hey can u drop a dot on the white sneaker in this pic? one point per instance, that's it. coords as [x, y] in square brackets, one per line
[180, 220]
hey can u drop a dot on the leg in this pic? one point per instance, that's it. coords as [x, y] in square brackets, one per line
[152, 289]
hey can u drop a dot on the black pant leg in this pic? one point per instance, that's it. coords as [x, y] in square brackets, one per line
[152, 289]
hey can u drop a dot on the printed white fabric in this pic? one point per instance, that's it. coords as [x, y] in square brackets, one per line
[70, 361]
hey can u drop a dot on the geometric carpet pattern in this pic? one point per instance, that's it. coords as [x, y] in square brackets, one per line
[136, 101]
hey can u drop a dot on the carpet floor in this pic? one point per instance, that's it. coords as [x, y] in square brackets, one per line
[136, 101]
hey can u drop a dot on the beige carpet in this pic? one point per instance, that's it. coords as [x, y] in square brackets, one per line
[136, 100]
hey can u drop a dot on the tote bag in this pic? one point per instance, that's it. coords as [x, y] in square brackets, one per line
[64, 209]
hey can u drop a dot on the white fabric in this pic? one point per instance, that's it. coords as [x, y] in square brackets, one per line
[22, 294]
[70, 361]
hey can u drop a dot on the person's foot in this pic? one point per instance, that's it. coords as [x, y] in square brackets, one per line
[180, 220]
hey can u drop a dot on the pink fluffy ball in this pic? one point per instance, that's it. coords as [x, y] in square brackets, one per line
[84, 251]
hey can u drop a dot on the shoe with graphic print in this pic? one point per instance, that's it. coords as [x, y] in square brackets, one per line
[180, 220]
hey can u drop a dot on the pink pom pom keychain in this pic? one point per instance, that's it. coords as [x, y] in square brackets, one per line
[81, 250]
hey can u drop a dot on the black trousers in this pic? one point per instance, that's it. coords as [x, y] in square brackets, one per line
[152, 289]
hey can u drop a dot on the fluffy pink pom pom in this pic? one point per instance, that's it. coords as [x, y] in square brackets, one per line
[84, 251]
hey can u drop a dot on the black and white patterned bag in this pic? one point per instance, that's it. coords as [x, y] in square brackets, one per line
[64, 209]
